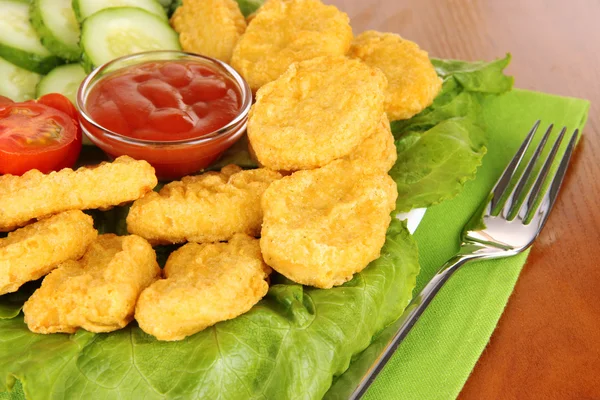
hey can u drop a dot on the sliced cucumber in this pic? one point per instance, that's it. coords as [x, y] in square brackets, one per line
[19, 42]
[116, 32]
[57, 26]
[64, 80]
[17, 83]
[86, 8]
[165, 3]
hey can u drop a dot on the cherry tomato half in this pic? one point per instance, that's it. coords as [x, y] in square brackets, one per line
[59, 102]
[37, 136]
[4, 101]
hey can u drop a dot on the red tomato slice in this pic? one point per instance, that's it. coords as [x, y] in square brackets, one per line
[5, 100]
[59, 102]
[36, 136]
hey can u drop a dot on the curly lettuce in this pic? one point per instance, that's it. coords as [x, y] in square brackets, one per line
[441, 148]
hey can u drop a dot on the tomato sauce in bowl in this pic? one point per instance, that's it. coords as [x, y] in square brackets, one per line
[176, 110]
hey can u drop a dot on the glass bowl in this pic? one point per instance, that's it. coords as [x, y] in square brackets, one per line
[171, 159]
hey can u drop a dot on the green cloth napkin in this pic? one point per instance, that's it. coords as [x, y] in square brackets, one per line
[437, 357]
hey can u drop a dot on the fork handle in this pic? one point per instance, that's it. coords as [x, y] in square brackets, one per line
[411, 315]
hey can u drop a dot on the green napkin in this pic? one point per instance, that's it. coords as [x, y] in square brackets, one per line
[437, 357]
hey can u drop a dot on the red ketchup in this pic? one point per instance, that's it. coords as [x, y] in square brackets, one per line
[162, 102]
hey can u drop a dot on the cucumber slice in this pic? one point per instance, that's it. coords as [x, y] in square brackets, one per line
[165, 3]
[57, 26]
[86, 8]
[116, 32]
[17, 83]
[64, 80]
[19, 42]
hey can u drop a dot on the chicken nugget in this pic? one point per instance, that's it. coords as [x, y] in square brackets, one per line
[322, 226]
[209, 27]
[31, 252]
[286, 31]
[413, 82]
[210, 207]
[98, 292]
[205, 284]
[378, 151]
[36, 195]
[316, 112]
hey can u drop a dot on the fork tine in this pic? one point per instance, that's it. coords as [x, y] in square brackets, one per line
[516, 193]
[539, 180]
[552, 193]
[511, 169]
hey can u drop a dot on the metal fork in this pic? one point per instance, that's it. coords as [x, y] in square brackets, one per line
[501, 234]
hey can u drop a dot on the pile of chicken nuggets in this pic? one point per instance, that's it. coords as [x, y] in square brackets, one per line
[316, 210]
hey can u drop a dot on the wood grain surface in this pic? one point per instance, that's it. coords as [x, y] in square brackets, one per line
[547, 344]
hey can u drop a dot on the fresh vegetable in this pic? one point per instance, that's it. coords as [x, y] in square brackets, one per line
[247, 7]
[86, 8]
[292, 342]
[38, 135]
[19, 42]
[166, 4]
[64, 79]
[60, 103]
[17, 83]
[115, 32]
[55, 23]
[175, 5]
[442, 147]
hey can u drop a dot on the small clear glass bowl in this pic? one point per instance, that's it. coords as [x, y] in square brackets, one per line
[171, 159]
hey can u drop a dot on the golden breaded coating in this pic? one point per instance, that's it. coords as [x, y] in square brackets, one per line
[36, 195]
[413, 82]
[316, 112]
[31, 252]
[209, 27]
[378, 151]
[286, 31]
[205, 284]
[98, 292]
[322, 226]
[211, 207]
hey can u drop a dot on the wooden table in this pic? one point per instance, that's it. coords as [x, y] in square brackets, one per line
[547, 344]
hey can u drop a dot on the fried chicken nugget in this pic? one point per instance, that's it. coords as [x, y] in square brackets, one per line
[36, 195]
[31, 252]
[209, 27]
[378, 151]
[205, 284]
[98, 292]
[322, 226]
[286, 31]
[413, 82]
[316, 112]
[210, 207]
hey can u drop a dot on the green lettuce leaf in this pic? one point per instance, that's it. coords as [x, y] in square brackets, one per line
[434, 165]
[11, 303]
[291, 345]
[247, 7]
[442, 147]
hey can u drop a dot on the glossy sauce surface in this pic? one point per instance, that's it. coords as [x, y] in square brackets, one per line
[164, 101]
